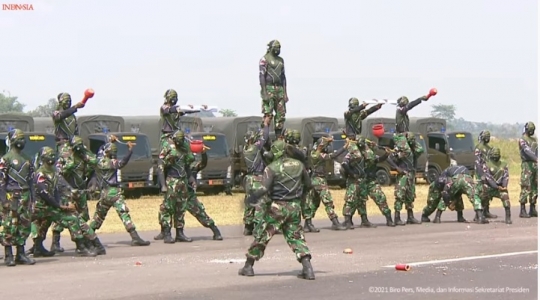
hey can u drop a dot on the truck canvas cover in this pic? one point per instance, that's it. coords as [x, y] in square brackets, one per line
[427, 124]
[44, 124]
[309, 125]
[16, 121]
[99, 123]
[234, 128]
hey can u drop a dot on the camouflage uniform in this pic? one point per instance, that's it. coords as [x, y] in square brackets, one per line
[494, 181]
[406, 156]
[285, 179]
[319, 191]
[402, 116]
[254, 143]
[174, 162]
[356, 114]
[16, 173]
[65, 123]
[112, 195]
[528, 150]
[273, 85]
[481, 152]
[447, 190]
[49, 208]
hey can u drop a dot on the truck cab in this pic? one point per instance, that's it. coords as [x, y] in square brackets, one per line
[34, 142]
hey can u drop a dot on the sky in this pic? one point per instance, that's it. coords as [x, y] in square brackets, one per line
[481, 55]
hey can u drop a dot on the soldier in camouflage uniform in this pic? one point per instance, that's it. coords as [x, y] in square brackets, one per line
[274, 86]
[356, 114]
[174, 168]
[49, 208]
[284, 180]
[402, 115]
[75, 169]
[319, 191]
[528, 150]
[481, 152]
[406, 156]
[16, 172]
[111, 194]
[494, 181]
[254, 143]
[65, 123]
[447, 190]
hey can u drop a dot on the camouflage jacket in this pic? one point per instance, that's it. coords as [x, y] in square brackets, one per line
[175, 163]
[107, 170]
[528, 148]
[16, 170]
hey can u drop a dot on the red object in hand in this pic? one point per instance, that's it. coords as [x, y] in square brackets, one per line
[378, 130]
[432, 92]
[196, 146]
[89, 93]
[402, 267]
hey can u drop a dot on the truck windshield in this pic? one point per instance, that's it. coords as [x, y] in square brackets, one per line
[33, 144]
[461, 142]
[141, 150]
[217, 144]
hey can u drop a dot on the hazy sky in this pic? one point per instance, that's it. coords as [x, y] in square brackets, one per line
[480, 55]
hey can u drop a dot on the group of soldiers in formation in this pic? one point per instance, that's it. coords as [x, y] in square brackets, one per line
[280, 187]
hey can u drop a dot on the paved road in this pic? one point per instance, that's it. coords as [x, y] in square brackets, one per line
[207, 269]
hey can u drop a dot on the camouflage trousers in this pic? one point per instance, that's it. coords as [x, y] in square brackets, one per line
[357, 193]
[462, 184]
[275, 102]
[253, 214]
[433, 200]
[112, 197]
[174, 202]
[529, 182]
[318, 193]
[80, 200]
[196, 209]
[44, 215]
[62, 150]
[284, 215]
[486, 193]
[16, 218]
[405, 191]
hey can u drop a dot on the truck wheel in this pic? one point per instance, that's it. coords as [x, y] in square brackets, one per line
[432, 174]
[383, 177]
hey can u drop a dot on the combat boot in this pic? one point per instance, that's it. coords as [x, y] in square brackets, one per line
[425, 218]
[167, 238]
[397, 219]
[366, 223]
[81, 250]
[39, 250]
[460, 217]
[100, 250]
[181, 237]
[489, 215]
[217, 234]
[348, 223]
[247, 270]
[410, 217]
[55, 246]
[307, 269]
[508, 216]
[31, 250]
[437, 218]
[309, 227]
[523, 213]
[248, 229]
[532, 211]
[136, 239]
[389, 221]
[480, 218]
[21, 258]
[161, 235]
[336, 225]
[8, 256]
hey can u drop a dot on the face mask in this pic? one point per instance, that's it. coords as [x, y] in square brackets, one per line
[495, 158]
[19, 144]
[78, 148]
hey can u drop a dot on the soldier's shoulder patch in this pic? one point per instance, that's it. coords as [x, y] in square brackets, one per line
[15, 162]
[41, 177]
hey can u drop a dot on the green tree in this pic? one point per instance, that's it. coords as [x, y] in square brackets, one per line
[44, 110]
[9, 104]
[443, 111]
[228, 113]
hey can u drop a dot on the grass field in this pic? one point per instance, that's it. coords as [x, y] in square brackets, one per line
[228, 210]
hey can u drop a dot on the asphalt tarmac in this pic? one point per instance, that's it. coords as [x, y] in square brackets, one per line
[448, 261]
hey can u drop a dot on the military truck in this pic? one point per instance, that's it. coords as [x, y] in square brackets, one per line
[443, 145]
[139, 174]
[234, 129]
[35, 140]
[44, 124]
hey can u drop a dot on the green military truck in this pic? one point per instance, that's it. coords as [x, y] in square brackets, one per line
[234, 129]
[35, 140]
[44, 124]
[443, 145]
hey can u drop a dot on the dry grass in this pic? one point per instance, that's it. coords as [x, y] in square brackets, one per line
[228, 210]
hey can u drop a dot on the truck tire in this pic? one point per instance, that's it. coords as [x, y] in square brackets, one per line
[432, 174]
[383, 177]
